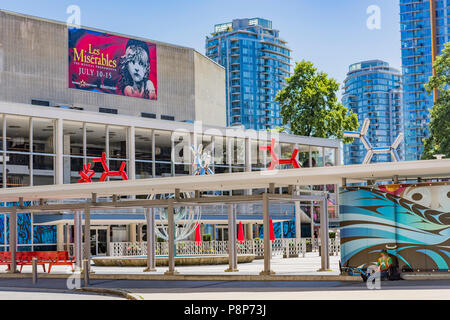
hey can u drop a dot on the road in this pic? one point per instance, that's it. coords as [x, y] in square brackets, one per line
[232, 290]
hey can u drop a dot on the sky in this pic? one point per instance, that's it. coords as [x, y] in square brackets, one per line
[331, 33]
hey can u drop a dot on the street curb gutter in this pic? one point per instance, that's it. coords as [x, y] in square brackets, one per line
[180, 277]
[114, 292]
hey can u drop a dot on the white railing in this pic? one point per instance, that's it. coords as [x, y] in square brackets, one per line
[280, 248]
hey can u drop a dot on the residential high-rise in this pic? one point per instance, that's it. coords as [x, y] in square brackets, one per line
[373, 91]
[424, 31]
[257, 61]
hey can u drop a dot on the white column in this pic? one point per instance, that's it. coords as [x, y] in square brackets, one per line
[66, 160]
[151, 256]
[232, 254]
[132, 234]
[13, 240]
[77, 238]
[87, 235]
[131, 153]
[59, 167]
[249, 231]
[267, 243]
[324, 236]
[60, 237]
[298, 218]
[171, 235]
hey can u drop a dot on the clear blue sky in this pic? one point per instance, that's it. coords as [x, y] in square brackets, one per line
[330, 33]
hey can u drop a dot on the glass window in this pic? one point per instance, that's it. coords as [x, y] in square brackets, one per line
[163, 146]
[18, 170]
[182, 152]
[18, 133]
[143, 144]
[220, 151]
[43, 136]
[95, 140]
[43, 173]
[303, 156]
[317, 156]
[117, 142]
[143, 170]
[182, 169]
[73, 138]
[237, 146]
[163, 169]
[330, 156]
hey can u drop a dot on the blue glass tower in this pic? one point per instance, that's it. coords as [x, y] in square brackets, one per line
[424, 31]
[257, 61]
[373, 90]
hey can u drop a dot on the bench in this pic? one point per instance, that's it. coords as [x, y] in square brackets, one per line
[51, 258]
[60, 258]
[5, 259]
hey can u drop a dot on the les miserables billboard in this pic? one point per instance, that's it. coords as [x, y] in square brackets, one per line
[105, 63]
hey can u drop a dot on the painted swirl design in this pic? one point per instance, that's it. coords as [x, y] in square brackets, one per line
[375, 219]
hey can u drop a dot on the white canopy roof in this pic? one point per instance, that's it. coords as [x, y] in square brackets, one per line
[236, 181]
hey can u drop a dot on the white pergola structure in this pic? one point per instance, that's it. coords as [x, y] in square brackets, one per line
[109, 195]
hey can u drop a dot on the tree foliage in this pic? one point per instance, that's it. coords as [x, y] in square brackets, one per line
[309, 105]
[438, 141]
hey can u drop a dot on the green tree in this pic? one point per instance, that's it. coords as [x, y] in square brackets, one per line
[438, 142]
[309, 105]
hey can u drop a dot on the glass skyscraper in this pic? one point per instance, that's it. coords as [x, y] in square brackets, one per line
[257, 61]
[423, 36]
[373, 90]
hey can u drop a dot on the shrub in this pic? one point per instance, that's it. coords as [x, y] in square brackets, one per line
[206, 237]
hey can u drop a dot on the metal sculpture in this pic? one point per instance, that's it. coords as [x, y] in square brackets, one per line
[186, 218]
[201, 161]
[277, 161]
[371, 151]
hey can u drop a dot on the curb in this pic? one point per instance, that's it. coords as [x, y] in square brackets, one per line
[193, 277]
[115, 292]
[425, 276]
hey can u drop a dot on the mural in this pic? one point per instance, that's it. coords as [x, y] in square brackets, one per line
[24, 228]
[288, 228]
[410, 221]
[2, 229]
[42, 234]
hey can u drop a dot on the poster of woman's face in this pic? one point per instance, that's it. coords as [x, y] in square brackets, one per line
[105, 63]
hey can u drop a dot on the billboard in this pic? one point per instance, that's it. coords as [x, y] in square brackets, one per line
[100, 62]
[410, 221]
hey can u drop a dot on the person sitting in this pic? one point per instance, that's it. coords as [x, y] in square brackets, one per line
[384, 264]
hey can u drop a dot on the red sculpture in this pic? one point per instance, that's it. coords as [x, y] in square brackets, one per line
[107, 173]
[87, 174]
[276, 161]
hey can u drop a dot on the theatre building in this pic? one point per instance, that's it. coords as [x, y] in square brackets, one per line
[70, 95]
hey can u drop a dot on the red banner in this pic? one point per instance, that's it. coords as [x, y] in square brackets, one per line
[105, 63]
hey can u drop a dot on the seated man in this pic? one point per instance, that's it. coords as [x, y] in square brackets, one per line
[384, 264]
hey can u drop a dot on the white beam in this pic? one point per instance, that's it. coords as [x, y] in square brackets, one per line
[236, 181]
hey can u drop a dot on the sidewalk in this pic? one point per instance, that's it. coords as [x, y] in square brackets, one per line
[293, 269]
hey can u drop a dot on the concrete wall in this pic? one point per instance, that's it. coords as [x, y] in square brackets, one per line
[210, 91]
[34, 65]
